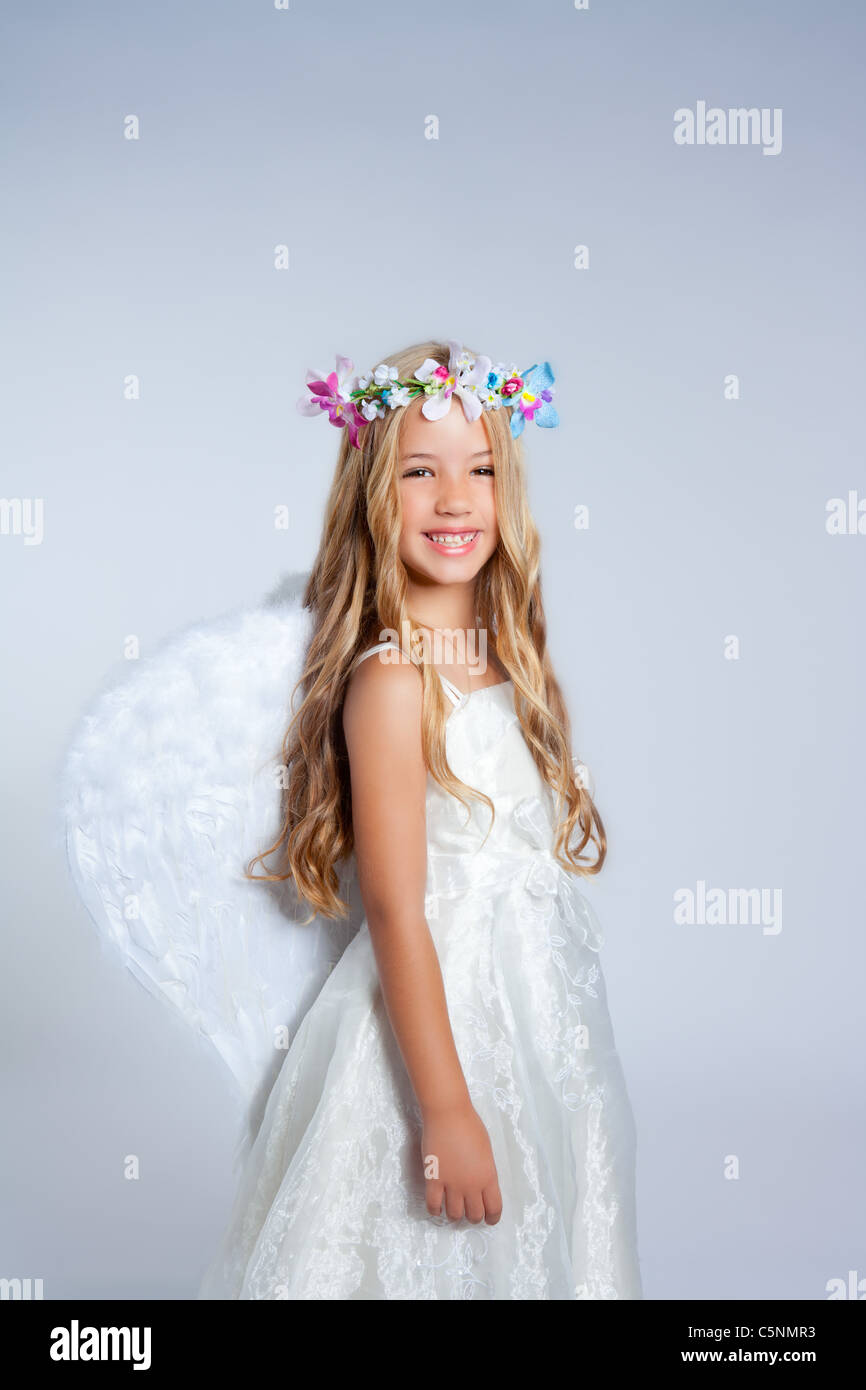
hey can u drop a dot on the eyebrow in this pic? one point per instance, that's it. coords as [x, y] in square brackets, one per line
[481, 453]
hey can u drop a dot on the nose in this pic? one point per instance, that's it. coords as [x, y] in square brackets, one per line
[452, 500]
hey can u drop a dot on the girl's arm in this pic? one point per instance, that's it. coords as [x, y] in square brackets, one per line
[382, 725]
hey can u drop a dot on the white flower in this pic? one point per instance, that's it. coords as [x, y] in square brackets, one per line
[384, 375]
[463, 361]
[466, 375]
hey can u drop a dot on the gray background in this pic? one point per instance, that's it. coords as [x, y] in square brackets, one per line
[155, 256]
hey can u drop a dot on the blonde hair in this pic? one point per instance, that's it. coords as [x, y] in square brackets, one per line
[357, 587]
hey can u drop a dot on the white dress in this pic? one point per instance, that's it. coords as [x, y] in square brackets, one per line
[331, 1203]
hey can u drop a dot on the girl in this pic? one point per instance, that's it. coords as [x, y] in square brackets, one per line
[451, 1120]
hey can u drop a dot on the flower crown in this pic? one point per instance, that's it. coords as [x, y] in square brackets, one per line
[353, 401]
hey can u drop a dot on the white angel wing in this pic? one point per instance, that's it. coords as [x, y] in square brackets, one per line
[168, 787]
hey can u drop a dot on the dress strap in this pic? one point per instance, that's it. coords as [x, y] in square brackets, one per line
[454, 695]
[451, 690]
[379, 647]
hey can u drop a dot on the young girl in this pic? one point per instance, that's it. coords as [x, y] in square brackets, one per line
[451, 1120]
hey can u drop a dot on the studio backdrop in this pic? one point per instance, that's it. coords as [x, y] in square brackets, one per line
[664, 202]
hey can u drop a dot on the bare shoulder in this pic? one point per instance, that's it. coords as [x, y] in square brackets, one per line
[388, 774]
[383, 699]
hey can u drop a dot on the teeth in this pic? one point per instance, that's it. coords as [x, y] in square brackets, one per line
[452, 540]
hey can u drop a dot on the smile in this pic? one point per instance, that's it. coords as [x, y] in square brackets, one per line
[452, 542]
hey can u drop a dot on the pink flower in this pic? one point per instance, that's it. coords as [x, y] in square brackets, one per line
[512, 386]
[333, 395]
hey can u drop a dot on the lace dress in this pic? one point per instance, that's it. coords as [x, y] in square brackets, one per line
[331, 1203]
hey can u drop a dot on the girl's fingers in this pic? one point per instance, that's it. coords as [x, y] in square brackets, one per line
[474, 1207]
[453, 1203]
[492, 1203]
[435, 1190]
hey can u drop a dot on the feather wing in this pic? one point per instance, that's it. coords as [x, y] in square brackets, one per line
[169, 786]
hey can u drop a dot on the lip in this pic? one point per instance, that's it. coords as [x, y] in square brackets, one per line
[452, 549]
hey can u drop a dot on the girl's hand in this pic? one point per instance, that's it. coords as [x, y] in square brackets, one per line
[458, 1164]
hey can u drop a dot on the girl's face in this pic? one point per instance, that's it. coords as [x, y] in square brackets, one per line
[445, 472]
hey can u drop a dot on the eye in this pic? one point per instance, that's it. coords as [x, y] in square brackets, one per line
[414, 472]
[485, 468]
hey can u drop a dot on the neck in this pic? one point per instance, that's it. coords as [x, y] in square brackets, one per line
[441, 606]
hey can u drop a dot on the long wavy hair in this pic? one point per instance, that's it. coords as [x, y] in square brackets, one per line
[356, 588]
